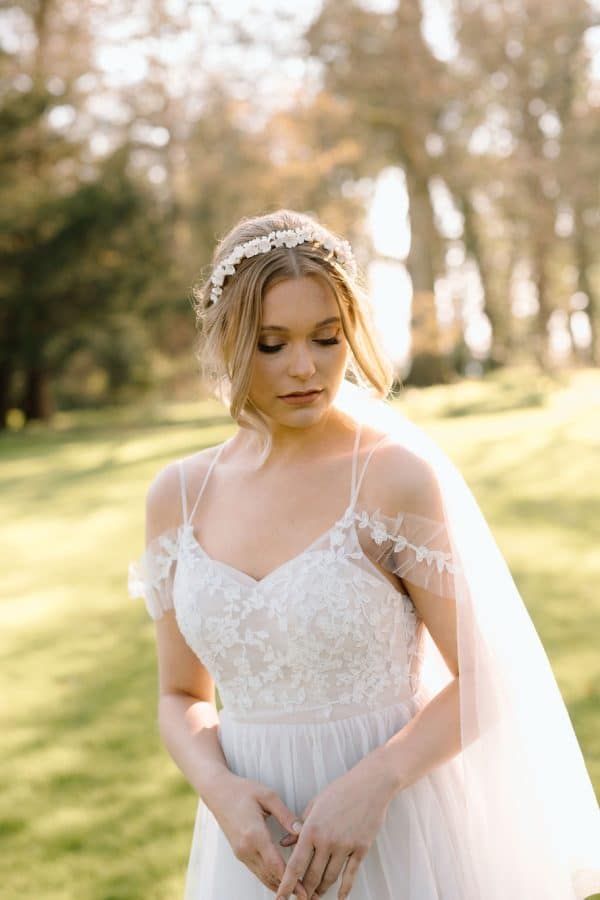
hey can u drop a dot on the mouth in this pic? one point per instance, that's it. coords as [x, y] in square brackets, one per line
[302, 393]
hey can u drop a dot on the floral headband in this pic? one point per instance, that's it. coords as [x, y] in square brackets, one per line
[288, 238]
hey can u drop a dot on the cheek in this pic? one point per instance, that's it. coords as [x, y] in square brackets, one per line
[267, 362]
[340, 357]
[265, 368]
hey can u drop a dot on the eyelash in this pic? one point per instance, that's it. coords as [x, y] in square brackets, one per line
[266, 348]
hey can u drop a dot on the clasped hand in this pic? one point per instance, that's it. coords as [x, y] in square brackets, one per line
[340, 824]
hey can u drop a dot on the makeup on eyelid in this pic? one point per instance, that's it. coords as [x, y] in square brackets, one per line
[273, 348]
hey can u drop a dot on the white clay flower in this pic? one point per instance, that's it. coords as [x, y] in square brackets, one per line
[285, 238]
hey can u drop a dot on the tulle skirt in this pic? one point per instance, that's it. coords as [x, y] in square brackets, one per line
[419, 852]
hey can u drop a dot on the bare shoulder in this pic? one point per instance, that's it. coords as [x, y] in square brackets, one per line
[163, 496]
[398, 480]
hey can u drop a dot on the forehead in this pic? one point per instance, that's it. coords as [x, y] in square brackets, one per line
[298, 303]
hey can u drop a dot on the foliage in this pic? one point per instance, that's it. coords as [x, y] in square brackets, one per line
[116, 179]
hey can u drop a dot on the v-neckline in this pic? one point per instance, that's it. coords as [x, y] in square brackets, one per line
[257, 582]
[347, 516]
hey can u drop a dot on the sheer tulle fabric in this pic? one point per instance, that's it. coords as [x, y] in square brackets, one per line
[152, 576]
[415, 548]
[325, 635]
[531, 813]
[419, 853]
[513, 814]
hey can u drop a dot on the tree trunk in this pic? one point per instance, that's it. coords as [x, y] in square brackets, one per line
[541, 336]
[5, 382]
[495, 308]
[584, 285]
[428, 363]
[37, 399]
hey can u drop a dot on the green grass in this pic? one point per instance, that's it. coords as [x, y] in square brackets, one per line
[93, 808]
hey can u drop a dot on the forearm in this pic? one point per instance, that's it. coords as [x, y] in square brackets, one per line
[429, 739]
[188, 728]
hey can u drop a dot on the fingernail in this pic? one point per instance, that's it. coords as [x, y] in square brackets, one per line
[297, 827]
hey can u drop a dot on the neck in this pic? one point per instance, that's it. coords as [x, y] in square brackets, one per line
[300, 445]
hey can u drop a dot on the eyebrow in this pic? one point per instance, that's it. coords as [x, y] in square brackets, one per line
[328, 321]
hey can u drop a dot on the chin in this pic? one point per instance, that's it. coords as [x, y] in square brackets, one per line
[301, 416]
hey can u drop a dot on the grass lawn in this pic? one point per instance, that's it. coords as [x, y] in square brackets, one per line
[93, 808]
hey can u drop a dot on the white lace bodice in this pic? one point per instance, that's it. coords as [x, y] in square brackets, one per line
[321, 635]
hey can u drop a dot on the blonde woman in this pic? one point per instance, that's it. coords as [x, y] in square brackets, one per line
[391, 728]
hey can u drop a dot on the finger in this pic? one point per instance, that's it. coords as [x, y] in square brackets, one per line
[297, 865]
[268, 879]
[273, 804]
[300, 891]
[348, 876]
[331, 873]
[288, 839]
[274, 867]
[314, 873]
[256, 864]
[273, 862]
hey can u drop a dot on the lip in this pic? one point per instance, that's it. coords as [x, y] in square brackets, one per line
[300, 398]
[301, 393]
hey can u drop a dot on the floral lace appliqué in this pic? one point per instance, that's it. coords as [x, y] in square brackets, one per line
[324, 629]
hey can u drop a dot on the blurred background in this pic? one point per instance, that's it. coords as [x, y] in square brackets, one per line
[455, 144]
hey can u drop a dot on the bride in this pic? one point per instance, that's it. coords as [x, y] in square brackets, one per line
[391, 728]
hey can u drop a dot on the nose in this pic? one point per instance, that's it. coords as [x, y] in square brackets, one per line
[302, 364]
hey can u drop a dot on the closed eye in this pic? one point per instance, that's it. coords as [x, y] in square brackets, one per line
[273, 348]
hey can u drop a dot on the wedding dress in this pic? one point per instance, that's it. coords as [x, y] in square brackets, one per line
[320, 662]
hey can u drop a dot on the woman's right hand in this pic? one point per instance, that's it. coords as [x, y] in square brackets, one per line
[241, 806]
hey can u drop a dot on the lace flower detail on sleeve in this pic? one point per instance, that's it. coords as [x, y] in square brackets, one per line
[151, 576]
[414, 548]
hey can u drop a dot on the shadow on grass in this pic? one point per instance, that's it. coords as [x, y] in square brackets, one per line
[94, 807]
[42, 441]
[90, 777]
[506, 401]
[63, 486]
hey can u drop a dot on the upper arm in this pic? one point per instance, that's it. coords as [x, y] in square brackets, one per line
[412, 487]
[439, 616]
[179, 669]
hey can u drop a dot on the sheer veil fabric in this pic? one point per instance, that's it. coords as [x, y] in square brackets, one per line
[513, 814]
[532, 816]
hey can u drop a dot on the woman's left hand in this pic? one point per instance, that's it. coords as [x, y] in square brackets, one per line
[339, 823]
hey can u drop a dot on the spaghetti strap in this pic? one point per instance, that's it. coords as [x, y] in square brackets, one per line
[356, 489]
[183, 490]
[206, 477]
[355, 460]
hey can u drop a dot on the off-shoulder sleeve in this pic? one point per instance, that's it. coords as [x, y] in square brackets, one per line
[415, 548]
[151, 576]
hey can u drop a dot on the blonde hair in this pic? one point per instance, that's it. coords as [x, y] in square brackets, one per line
[229, 329]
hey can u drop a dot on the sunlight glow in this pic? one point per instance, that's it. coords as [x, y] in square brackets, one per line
[391, 295]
